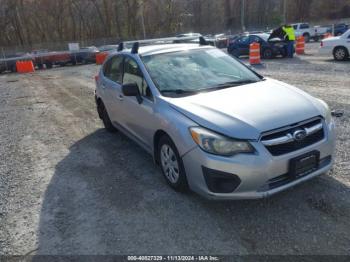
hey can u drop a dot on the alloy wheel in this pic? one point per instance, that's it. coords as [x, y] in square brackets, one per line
[170, 164]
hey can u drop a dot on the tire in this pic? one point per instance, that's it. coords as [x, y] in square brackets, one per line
[284, 53]
[306, 37]
[102, 112]
[13, 69]
[48, 65]
[171, 164]
[40, 66]
[340, 53]
[267, 53]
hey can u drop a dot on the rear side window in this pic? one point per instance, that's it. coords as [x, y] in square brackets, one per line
[255, 39]
[243, 40]
[113, 69]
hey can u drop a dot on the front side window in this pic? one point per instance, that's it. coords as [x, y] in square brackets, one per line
[197, 70]
[133, 74]
[114, 69]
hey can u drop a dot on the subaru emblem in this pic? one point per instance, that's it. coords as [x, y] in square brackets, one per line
[299, 135]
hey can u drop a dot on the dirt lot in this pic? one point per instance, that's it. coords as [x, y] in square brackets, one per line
[69, 187]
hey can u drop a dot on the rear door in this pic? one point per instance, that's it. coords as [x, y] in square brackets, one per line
[111, 87]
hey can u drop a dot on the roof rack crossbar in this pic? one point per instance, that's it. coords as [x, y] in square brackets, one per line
[135, 48]
[202, 41]
[120, 46]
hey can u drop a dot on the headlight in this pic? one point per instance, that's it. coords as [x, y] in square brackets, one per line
[217, 144]
[328, 113]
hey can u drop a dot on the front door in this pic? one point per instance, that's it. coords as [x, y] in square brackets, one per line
[138, 119]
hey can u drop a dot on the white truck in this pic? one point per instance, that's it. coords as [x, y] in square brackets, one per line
[304, 29]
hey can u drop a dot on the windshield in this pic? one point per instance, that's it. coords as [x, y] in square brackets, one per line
[197, 70]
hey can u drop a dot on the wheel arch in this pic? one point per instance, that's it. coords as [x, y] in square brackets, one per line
[156, 138]
[340, 46]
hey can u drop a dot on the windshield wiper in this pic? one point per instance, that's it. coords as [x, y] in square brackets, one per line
[179, 91]
[229, 84]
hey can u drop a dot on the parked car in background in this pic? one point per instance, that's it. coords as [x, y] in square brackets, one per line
[49, 59]
[107, 48]
[8, 64]
[211, 123]
[239, 46]
[338, 46]
[340, 29]
[304, 29]
[85, 55]
[189, 35]
[218, 40]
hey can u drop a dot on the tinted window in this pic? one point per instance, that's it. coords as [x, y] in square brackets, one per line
[295, 27]
[114, 69]
[133, 74]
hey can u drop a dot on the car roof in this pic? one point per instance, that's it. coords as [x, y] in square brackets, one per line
[166, 48]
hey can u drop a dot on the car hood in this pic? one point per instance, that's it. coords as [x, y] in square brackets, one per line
[244, 112]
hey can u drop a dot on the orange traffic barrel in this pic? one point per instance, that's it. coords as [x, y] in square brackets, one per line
[254, 54]
[101, 57]
[300, 47]
[25, 66]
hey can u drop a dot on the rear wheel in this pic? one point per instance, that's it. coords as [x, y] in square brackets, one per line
[103, 114]
[340, 53]
[306, 37]
[171, 164]
[48, 65]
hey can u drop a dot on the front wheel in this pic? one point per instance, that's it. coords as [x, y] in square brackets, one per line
[172, 165]
[340, 53]
[267, 53]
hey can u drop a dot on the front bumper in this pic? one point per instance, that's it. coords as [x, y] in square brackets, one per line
[255, 171]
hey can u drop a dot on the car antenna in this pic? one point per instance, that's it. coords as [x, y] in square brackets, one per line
[120, 46]
[202, 41]
[135, 48]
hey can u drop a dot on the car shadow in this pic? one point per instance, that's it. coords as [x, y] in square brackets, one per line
[107, 197]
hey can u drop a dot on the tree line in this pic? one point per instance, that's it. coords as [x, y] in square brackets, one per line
[27, 22]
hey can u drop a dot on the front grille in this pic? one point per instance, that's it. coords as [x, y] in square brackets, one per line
[290, 146]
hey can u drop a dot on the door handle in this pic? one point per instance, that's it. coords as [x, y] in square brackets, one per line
[103, 86]
[120, 97]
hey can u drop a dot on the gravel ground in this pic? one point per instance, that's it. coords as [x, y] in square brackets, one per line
[69, 187]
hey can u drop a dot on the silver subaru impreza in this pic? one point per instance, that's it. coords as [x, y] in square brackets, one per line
[214, 125]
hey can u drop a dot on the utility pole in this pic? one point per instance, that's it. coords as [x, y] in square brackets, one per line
[143, 19]
[285, 11]
[243, 15]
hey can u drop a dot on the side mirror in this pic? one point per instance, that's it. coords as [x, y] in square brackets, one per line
[132, 90]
